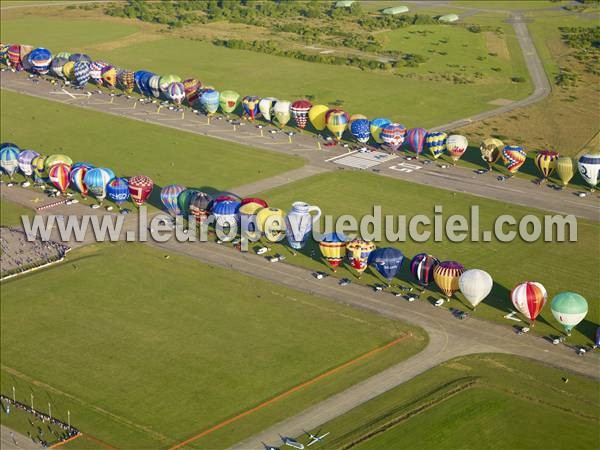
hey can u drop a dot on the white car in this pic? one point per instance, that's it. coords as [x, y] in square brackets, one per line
[74, 201]
[439, 303]
[109, 208]
[582, 194]
[25, 184]
[95, 206]
[262, 251]
[274, 259]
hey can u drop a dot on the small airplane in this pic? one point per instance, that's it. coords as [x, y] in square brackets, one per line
[291, 442]
[314, 438]
[511, 316]
[268, 447]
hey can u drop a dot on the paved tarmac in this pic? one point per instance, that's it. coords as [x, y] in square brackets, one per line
[12, 440]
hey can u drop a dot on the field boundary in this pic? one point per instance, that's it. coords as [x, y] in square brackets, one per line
[292, 390]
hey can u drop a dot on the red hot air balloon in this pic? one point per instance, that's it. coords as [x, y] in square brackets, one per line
[59, 176]
[140, 188]
[191, 87]
[300, 110]
[529, 298]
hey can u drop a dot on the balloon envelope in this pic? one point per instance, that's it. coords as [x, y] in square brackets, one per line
[77, 179]
[282, 112]
[422, 267]
[140, 188]
[393, 135]
[456, 145]
[514, 157]
[117, 190]
[316, 115]
[361, 130]
[545, 161]
[229, 101]
[416, 139]
[529, 298]
[333, 249]
[569, 308]
[337, 122]
[490, 149]
[358, 253]
[96, 181]
[250, 105]
[565, 169]
[168, 197]
[446, 275]
[475, 285]
[209, 101]
[40, 59]
[376, 126]
[300, 109]
[387, 261]
[589, 168]
[24, 161]
[265, 106]
[9, 161]
[59, 176]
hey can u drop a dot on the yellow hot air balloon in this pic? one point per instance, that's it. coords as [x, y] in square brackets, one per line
[109, 76]
[491, 149]
[565, 169]
[68, 70]
[545, 161]
[357, 252]
[316, 115]
[446, 276]
[337, 122]
[271, 222]
[55, 159]
[333, 249]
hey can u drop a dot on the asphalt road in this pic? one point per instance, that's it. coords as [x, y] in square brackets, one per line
[16, 441]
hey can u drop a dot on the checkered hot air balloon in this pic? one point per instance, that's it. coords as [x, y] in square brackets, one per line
[456, 145]
[393, 135]
[361, 130]
[168, 197]
[58, 175]
[416, 139]
[81, 72]
[250, 105]
[300, 109]
[446, 275]
[358, 253]
[529, 298]
[514, 157]
[422, 267]
[140, 188]
[40, 59]
[545, 161]
[96, 71]
[435, 142]
[126, 80]
[333, 249]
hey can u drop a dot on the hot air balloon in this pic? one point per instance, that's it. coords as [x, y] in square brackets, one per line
[250, 105]
[9, 159]
[333, 249]
[183, 201]
[545, 161]
[166, 80]
[168, 196]
[422, 267]
[299, 223]
[316, 115]
[209, 101]
[300, 109]
[475, 285]
[176, 93]
[65, 55]
[140, 188]
[96, 180]
[137, 79]
[126, 80]
[337, 122]
[81, 71]
[376, 126]
[76, 178]
[456, 145]
[109, 76]
[446, 275]
[58, 158]
[491, 149]
[387, 261]
[514, 157]
[40, 173]
[248, 211]
[529, 298]
[14, 57]
[117, 190]
[271, 222]
[79, 57]
[589, 168]
[191, 86]
[4, 53]
[435, 141]
[354, 117]
[281, 110]
[229, 100]
[40, 59]
[358, 252]
[198, 206]
[393, 135]
[59, 176]
[265, 106]
[360, 129]
[96, 71]
[57, 65]
[226, 213]
[569, 308]
[24, 161]
[565, 169]
[69, 70]
[416, 139]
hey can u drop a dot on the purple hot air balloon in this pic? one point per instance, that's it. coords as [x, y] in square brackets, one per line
[416, 139]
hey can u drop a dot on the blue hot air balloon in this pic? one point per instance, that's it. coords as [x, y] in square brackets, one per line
[387, 261]
[376, 126]
[96, 181]
[209, 101]
[40, 59]
[117, 190]
[226, 212]
[416, 139]
[435, 142]
[24, 160]
[81, 71]
[77, 177]
[137, 80]
[9, 158]
[169, 195]
[361, 130]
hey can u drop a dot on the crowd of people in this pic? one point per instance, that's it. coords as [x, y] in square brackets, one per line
[45, 430]
[18, 255]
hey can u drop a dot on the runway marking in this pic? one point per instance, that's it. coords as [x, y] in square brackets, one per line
[339, 156]
[364, 160]
[292, 390]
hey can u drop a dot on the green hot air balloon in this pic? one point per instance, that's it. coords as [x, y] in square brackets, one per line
[228, 101]
[166, 80]
[569, 308]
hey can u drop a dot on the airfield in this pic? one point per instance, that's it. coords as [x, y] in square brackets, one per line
[172, 345]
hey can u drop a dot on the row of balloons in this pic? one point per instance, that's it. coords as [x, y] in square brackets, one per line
[80, 68]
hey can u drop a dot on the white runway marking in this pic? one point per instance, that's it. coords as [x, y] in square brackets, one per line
[363, 160]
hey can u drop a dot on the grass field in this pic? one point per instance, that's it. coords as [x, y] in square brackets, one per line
[10, 213]
[147, 351]
[484, 402]
[553, 264]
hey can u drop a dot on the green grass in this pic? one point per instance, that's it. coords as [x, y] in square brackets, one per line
[552, 264]
[147, 351]
[509, 4]
[10, 213]
[507, 402]
[130, 147]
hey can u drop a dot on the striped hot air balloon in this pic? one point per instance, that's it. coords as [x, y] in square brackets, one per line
[140, 188]
[9, 159]
[191, 87]
[545, 161]
[77, 176]
[40, 59]
[376, 126]
[168, 197]
[333, 249]
[446, 275]
[422, 267]
[300, 109]
[250, 105]
[358, 252]
[24, 161]
[176, 93]
[436, 143]
[416, 139]
[514, 157]
[126, 80]
[529, 298]
[14, 57]
[59, 176]
[96, 180]
[198, 206]
[337, 122]
[393, 135]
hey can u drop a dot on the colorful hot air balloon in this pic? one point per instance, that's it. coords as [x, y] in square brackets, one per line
[271, 222]
[589, 169]
[456, 145]
[109, 76]
[96, 180]
[514, 157]
[387, 261]
[40, 173]
[81, 71]
[76, 178]
[24, 161]
[361, 130]
[140, 188]
[57, 65]
[40, 59]
[138, 75]
[435, 141]
[565, 169]
[78, 57]
[333, 249]
[176, 93]
[354, 117]
[183, 201]
[337, 122]
[209, 101]
[299, 223]
[191, 86]
[416, 139]
[96, 71]
[250, 105]
[569, 308]
[229, 100]
[422, 267]
[376, 126]
[545, 161]
[166, 80]
[248, 210]
[475, 285]
[226, 213]
[446, 275]
[529, 298]
[58, 158]
[9, 159]
[69, 70]
[126, 80]
[358, 252]
[265, 106]
[393, 135]
[490, 149]
[168, 197]
[300, 109]
[150, 83]
[65, 55]
[316, 115]
[198, 206]
[117, 190]
[59, 176]
[281, 110]
[14, 57]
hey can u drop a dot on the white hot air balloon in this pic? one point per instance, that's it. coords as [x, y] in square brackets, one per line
[475, 285]
[589, 168]
[265, 106]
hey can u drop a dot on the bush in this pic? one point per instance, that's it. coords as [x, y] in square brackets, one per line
[518, 79]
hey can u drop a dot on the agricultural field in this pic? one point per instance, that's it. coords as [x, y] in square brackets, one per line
[147, 349]
[10, 213]
[355, 193]
[482, 402]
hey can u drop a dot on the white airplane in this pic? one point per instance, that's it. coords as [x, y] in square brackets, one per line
[314, 438]
[291, 442]
[511, 316]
